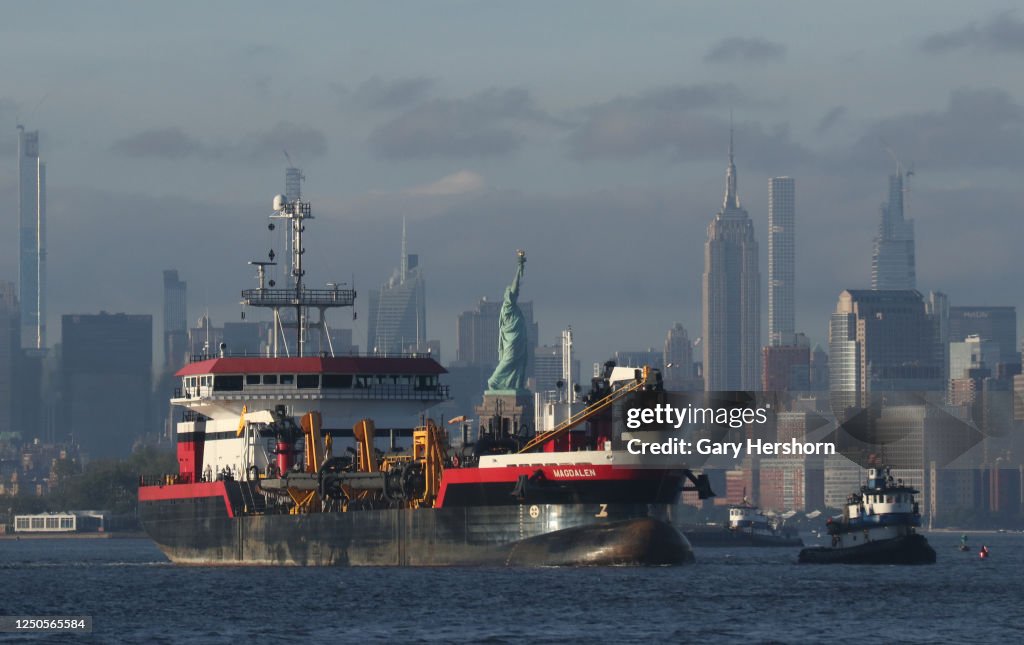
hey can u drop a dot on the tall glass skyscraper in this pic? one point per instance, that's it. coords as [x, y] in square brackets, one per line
[397, 320]
[32, 249]
[892, 263]
[731, 297]
[881, 341]
[175, 320]
[781, 261]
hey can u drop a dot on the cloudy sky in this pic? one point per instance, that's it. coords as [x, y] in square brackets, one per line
[591, 134]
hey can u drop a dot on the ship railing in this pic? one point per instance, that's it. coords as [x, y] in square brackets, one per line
[206, 356]
[165, 480]
[306, 297]
[191, 415]
[374, 392]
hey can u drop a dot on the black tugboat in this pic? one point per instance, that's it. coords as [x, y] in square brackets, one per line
[748, 526]
[877, 527]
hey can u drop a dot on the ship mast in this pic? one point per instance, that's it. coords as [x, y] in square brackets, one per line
[297, 295]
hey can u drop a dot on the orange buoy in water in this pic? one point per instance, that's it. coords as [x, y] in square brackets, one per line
[983, 553]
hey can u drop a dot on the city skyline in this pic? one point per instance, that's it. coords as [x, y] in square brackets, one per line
[532, 147]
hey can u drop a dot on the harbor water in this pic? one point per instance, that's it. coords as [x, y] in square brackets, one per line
[748, 595]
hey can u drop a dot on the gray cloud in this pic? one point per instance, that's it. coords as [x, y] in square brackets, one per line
[491, 123]
[302, 141]
[670, 121]
[978, 129]
[830, 118]
[377, 93]
[1002, 33]
[744, 50]
[173, 143]
[161, 143]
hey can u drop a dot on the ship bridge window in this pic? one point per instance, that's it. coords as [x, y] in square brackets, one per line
[425, 382]
[228, 383]
[308, 381]
[270, 379]
[252, 379]
[337, 381]
[363, 380]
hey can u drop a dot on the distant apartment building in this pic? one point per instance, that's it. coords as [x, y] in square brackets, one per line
[881, 341]
[10, 354]
[819, 372]
[971, 361]
[106, 367]
[786, 368]
[995, 324]
[841, 478]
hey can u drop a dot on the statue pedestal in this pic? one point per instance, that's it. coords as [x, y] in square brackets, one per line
[506, 412]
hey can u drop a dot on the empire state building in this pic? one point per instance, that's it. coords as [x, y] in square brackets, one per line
[731, 296]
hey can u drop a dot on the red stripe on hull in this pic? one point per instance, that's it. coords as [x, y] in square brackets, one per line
[186, 491]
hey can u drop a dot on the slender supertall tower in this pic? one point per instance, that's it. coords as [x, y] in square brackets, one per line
[781, 261]
[731, 295]
[892, 263]
[32, 251]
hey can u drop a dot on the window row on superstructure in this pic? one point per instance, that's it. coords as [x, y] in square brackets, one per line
[258, 382]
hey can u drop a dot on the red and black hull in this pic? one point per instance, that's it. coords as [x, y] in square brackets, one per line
[548, 523]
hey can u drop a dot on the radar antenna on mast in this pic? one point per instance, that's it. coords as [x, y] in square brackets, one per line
[295, 296]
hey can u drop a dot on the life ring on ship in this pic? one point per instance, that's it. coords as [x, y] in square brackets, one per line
[455, 461]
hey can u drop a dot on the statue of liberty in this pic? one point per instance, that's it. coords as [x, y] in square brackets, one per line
[510, 374]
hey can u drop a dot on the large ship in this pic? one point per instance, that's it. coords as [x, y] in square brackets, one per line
[878, 526]
[263, 478]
